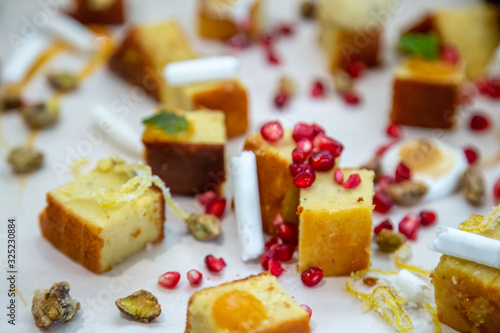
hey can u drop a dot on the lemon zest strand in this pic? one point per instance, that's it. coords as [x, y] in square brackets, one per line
[435, 319]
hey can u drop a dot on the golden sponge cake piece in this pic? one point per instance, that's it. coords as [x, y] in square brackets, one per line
[93, 223]
[257, 304]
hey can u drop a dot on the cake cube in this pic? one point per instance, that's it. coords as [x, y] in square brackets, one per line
[255, 304]
[224, 19]
[90, 220]
[468, 294]
[335, 224]
[426, 93]
[191, 161]
[99, 11]
[278, 194]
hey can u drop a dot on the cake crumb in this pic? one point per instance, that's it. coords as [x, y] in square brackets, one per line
[299, 210]
[360, 199]
[370, 281]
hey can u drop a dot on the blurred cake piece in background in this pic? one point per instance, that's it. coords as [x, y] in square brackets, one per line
[99, 11]
[224, 19]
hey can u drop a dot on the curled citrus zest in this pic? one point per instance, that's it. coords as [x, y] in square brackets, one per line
[389, 307]
[168, 198]
[357, 275]
[435, 319]
[400, 256]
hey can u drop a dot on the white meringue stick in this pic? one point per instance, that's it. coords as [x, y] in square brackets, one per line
[16, 67]
[199, 70]
[72, 32]
[468, 246]
[117, 132]
[411, 287]
[247, 205]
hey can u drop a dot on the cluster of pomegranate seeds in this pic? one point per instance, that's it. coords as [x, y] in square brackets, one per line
[213, 264]
[272, 131]
[338, 176]
[288, 232]
[383, 202]
[307, 309]
[352, 182]
[479, 122]
[450, 54]
[385, 224]
[281, 100]
[317, 89]
[322, 160]
[169, 280]
[270, 243]
[428, 217]
[194, 277]
[403, 173]
[351, 97]
[394, 131]
[471, 154]
[489, 87]
[278, 252]
[216, 207]
[312, 276]
[496, 191]
[409, 226]
[275, 267]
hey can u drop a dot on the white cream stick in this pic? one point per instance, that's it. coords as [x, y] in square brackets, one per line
[73, 32]
[247, 205]
[410, 287]
[117, 132]
[16, 67]
[204, 69]
[468, 246]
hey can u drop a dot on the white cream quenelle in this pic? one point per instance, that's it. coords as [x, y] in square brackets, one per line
[200, 70]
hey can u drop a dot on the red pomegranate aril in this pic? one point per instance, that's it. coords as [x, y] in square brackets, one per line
[272, 131]
[322, 160]
[409, 226]
[385, 224]
[383, 202]
[268, 255]
[496, 191]
[266, 40]
[273, 58]
[351, 98]
[304, 179]
[169, 280]
[383, 149]
[270, 243]
[302, 130]
[323, 142]
[216, 207]
[384, 181]
[284, 251]
[288, 232]
[450, 54]
[471, 154]
[281, 100]
[285, 29]
[479, 122]
[275, 267]
[296, 168]
[312, 276]
[403, 173]
[194, 277]
[239, 41]
[352, 182]
[213, 264]
[338, 176]
[356, 69]
[394, 131]
[306, 145]
[317, 89]
[428, 217]
[489, 87]
[307, 309]
[205, 198]
[299, 156]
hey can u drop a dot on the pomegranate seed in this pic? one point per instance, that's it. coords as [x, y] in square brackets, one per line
[267, 40]
[471, 154]
[496, 191]
[351, 98]
[394, 131]
[306, 145]
[216, 207]
[338, 176]
[266, 257]
[205, 198]
[323, 142]
[318, 129]
[352, 182]
[479, 122]
[169, 280]
[384, 182]
[299, 156]
[304, 179]
[275, 267]
[194, 277]
[302, 130]
[409, 226]
[317, 89]
[284, 251]
[270, 243]
[383, 202]
[402, 173]
[272, 131]
[322, 160]
[385, 224]
[450, 54]
[295, 169]
[213, 264]
[285, 29]
[273, 58]
[356, 69]
[288, 232]
[239, 41]
[489, 87]
[428, 217]
[281, 100]
[307, 309]
[383, 149]
[312, 276]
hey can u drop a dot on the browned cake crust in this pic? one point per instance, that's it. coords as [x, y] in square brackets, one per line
[187, 168]
[424, 104]
[75, 237]
[112, 15]
[354, 46]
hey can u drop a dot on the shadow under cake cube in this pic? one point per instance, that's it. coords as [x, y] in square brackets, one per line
[193, 161]
[278, 194]
[467, 293]
[426, 93]
[257, 304]
[218, 19]
[336, 224]
[91, 222]
[99, 11]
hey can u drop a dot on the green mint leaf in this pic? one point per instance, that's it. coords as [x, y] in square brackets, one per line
[423, 45]
[168, 121]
